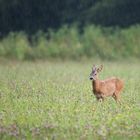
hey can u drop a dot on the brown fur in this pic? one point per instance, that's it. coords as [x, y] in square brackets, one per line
[109, 87]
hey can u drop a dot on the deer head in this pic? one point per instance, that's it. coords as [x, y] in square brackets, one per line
[94, 72]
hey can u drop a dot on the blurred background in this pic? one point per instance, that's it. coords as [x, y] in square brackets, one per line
[69, 29]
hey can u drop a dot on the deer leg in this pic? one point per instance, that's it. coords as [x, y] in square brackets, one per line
[97, 98]
[116, 96]
[100, 99]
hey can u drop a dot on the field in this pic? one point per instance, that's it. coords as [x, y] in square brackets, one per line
[54, 100]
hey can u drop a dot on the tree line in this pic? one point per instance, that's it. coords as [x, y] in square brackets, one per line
[33, 15]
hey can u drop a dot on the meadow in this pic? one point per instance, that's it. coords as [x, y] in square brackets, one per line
[53, 100]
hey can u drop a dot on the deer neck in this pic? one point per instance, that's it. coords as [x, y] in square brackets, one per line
[96, 84]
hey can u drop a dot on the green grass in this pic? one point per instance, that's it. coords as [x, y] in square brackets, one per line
[53, 100]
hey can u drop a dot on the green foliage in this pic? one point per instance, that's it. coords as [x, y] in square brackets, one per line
[69, 43]
[33, 15]
[54, 100]
[15, 45]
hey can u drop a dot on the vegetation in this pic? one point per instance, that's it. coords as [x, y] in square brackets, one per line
[70, 43]
[33, 15]
[70, 29]
[53, 100]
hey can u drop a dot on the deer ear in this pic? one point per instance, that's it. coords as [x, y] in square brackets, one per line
[94, 67]
[100, 68]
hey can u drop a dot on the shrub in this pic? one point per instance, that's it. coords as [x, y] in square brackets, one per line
[69, 43]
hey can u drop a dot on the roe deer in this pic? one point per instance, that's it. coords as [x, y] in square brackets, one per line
[103, 88]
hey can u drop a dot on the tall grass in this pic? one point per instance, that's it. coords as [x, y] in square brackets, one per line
[49, 100]
[69, 43]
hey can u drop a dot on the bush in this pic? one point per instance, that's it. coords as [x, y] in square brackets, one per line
[15, 45]
[69, 43]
